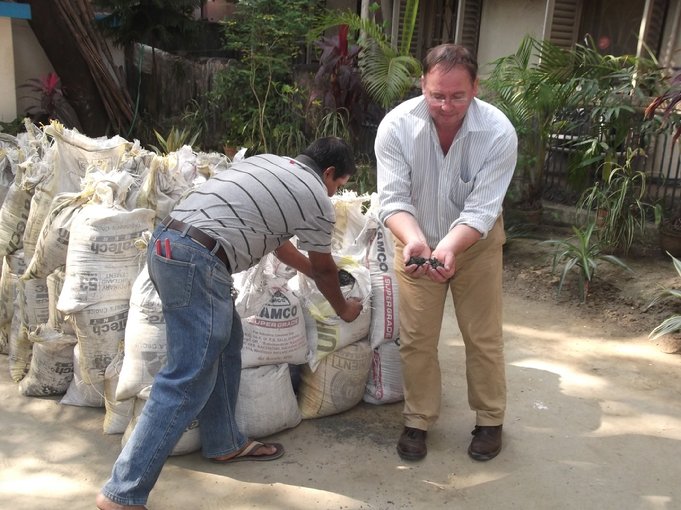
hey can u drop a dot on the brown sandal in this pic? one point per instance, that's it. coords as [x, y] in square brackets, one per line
[248, 453]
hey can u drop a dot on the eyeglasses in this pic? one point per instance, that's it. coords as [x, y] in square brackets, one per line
[438, 100]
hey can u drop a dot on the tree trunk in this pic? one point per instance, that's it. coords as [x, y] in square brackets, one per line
[61, 49]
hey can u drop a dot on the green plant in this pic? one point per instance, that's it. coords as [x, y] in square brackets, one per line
[531, 96]
[364, 180]
[593, 100]
[50, 100]
[13, 127]
[388, 71]
[338, 91]
[668, 100]
[619, 199]
[175, 140]
[149, 21]
[611, 92]
[671, 324]
[583, 253]
[267, 36]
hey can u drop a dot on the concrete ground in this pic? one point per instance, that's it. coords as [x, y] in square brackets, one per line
[593, 422]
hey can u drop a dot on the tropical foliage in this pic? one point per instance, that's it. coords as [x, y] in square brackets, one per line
[590, 100]
[388, 71]
[671, 324]
[619, 197]
[581, 253]
[258, 93]
[49, 101]
[153, 22]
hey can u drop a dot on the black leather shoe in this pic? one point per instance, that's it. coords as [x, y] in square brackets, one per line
[486, 443]
[412, 444]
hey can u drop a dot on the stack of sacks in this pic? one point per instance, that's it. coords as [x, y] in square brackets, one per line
[10, 155]
[274, 337]
[334, 378]
[51, 370]
[13, 219]
[102, 263]
[385, 379]
[18, 343]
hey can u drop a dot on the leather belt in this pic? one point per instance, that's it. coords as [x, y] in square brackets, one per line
[199, 236]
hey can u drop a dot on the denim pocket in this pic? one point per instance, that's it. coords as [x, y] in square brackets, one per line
[174, 280]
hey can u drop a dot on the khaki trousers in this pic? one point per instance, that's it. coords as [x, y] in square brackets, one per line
[476, 289]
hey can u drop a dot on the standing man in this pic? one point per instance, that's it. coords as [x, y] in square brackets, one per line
[445, 160]
[226, 225]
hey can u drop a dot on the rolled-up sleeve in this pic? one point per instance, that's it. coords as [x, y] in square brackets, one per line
[483, 205]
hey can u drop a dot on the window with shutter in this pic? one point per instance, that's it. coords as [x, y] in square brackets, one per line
[564, 22]
[625, 27]
[470, 25]
[654, 25]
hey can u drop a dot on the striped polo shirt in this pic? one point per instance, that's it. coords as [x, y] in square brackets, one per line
[258, 204]
[465, 186]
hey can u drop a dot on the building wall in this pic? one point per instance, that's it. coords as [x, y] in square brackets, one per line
[503, 25]
[30, 61]
[7, 87]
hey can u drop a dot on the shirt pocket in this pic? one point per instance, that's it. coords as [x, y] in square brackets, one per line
[460, 191]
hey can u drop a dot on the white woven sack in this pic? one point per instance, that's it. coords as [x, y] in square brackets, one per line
[384, 289]
[52, 244]
[9, 281]
[189, 442]
[338, 382]
[41, 199]
[252, 290]
[79, 392]
[100, 329]
[8, 155]
[384, 385]
[78, 154]
[277, 334]
[34, 302]
[350, 224]
[13, 216]
[55, 318]
[19, 347]
[51, 369]
[266, 403]
[103, 261]
[326, 332]
[163, 184]
[145, 339]
[118, 412]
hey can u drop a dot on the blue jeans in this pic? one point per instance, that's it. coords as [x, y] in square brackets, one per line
[202, 374]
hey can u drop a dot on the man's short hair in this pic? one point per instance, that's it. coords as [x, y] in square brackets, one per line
[332, 151]
[449, 55]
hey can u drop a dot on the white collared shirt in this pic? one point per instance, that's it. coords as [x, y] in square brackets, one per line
[465, 186]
